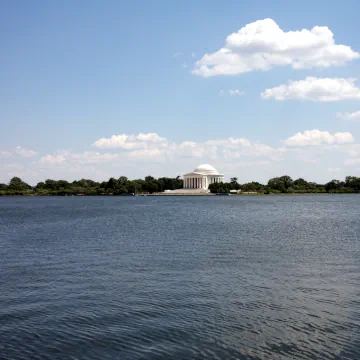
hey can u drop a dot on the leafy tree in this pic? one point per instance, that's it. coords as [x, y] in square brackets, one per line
[353, 182]
[282, 183]
[17, 184]
[149, 178]
[334, 185]
[123, 180]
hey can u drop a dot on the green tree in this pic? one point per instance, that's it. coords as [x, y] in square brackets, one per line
[282, 183]
[334, 185]
[16, 184]
[353, 182]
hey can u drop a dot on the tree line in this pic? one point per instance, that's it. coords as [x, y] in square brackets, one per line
[149, 185]
[286, 185]
[120, 186]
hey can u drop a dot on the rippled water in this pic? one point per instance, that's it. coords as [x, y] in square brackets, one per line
[180, 277]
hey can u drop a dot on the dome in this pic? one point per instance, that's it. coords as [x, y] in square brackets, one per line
[206, 169]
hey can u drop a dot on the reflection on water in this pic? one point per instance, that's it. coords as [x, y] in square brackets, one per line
[180, 278]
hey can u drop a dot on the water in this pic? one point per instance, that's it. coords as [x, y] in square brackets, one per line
[180, 277]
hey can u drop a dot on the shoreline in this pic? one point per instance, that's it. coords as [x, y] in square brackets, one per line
[184, 195]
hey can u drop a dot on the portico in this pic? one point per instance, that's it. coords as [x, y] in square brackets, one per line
[202, 177]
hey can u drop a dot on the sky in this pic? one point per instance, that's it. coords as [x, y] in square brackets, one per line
[258, 89]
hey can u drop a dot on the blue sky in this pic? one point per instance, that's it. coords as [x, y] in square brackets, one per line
[73, 73]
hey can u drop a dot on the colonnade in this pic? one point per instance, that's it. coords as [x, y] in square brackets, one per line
[195, 182]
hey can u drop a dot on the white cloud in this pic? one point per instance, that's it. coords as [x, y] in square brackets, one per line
[53, 159]
[262, 45]
[352, 161]
[128, 142]
[333, 169]
[349, 116]
[177, 54]
[87, 157]
[229, 142]
[15, 166]
[315, 89]
[19, 151]
[24, 152]
[236, 92]
[5, 154]
[239, 157]
[146, 153]
[352, 150]
[316, 137]
[232, 92]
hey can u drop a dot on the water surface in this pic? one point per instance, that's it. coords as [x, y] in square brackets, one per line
[272, 277]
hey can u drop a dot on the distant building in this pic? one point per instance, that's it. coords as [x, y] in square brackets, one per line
[202, 177]
[235, 192]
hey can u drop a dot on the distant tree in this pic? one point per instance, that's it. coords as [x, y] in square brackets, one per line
[3, 186]
[17, 184]
[282, 183]
[334, 185]
[123, 180]
[353, 182]
[111, 184]
[234, 180]
[253, 186]
[50, 184]
[149, 178]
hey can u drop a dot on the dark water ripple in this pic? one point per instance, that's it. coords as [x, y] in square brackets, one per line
[180, 278]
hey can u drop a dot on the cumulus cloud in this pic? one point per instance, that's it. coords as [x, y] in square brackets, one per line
[333, 170]
[315, 89]
[5, 154]
[24, 152]
[87, 157]
[236, 92]
[316, 137]
[349, 116]
[123, 141]
[53, 159]
[262, 45]
[352, 161]
[232, 92]
[19, 151]
[297, 156]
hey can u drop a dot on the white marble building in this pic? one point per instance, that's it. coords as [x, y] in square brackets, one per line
[202, 177]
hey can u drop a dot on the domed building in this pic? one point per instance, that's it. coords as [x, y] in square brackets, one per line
[202, 177]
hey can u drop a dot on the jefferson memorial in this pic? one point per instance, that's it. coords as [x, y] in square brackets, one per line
[202, 177]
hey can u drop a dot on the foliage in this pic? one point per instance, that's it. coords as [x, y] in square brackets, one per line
[149, 185]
